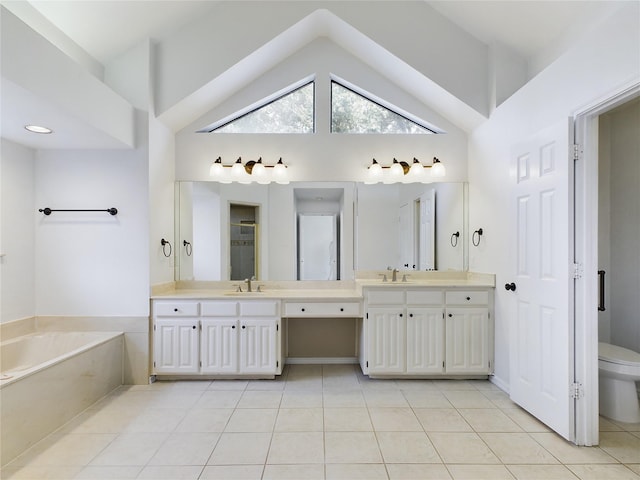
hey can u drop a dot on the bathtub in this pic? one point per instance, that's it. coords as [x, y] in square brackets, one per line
[46, 379]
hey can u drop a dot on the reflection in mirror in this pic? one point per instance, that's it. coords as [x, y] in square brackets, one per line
[409, 226]
[318, 214]
[377, 226]
[243, 241]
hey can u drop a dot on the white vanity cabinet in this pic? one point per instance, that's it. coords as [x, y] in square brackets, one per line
[404, 331]
[175, 338]
[469, 344]
[220, 337]
[426, 331]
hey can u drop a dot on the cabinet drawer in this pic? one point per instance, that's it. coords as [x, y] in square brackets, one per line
[471, 297]
[219, 309]
[322, 309]
[385, 297]
[175, 309]
[424, 297]
[258, 309]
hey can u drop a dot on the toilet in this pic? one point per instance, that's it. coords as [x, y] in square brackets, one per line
[619, 370]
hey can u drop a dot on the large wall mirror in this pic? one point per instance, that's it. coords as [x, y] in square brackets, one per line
[317, 230]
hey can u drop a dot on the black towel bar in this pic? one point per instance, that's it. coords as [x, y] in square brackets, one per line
[49, 211]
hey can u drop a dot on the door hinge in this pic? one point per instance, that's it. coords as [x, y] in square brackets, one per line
[277, 327]
[367, 314]
[576, 391]
[577, 271]
[277, 363]
[576, 151]
[367, 363]
[154, 364]
[200, 363]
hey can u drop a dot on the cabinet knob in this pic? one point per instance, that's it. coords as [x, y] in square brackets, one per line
[468, 298]
[401, 315]
[233, 326]
[302, 309]
[451, 314]
[243, 326]
[510, 286]
[194, 327]
[341, 309]
[175, 309]
[411, 315]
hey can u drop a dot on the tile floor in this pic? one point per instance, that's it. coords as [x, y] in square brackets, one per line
[320, 422]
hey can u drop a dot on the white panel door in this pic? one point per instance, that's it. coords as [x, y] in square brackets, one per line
[175, 348]
[387, 344]
[541, 353]
[318, 244]
[405, 232]
[467, 340]
[425, 340]
[258, 345]
[219, 345]
[427, 243]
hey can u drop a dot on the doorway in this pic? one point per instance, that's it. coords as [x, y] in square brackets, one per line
[243, 241]
[593, 240]
[319, 242]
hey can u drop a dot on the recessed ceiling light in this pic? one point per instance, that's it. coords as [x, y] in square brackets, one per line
[38, 129]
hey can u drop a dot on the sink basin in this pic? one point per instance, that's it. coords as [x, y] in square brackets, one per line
[244, 294]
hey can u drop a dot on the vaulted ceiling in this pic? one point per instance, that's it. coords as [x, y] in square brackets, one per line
[97, 32]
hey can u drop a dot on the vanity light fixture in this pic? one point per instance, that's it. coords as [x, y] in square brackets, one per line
[400, 171]
[253, 170]
[38, 129]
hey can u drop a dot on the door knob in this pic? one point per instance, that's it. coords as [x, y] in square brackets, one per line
[510, 286]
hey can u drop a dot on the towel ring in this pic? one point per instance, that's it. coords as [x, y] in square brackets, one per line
[475, 238]
[454, 239]
[187, 247]
[164, 243]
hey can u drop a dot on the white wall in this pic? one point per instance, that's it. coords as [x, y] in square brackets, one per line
[411, 31]
[17, 231]
[321, 156]
[597, 66]
[92, 263]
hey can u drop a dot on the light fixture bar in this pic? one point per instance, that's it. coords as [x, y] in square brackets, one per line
[401, 171]
[248, 171]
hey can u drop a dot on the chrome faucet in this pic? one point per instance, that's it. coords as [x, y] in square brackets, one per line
[394, 274]
[248, 282]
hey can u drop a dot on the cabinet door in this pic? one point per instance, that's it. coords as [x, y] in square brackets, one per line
[425, 340]
[175, 348]
[386, 346]
[219, 345]
[258, 345]
[467, 340]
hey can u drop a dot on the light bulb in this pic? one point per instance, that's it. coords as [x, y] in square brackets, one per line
[237, 170]
[216, 169]
[218, 172]
[416, 169]
[260, 172]
[396, 170]
[280, 173]
[375, 173]
[437, 169]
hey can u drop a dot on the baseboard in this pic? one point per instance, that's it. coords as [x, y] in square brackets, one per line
[320, 360]
[498, 382]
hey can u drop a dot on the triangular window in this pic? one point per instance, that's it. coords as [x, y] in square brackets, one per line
[291, 112]
[353, 112]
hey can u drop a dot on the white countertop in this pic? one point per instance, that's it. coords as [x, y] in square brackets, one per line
[318, 290]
